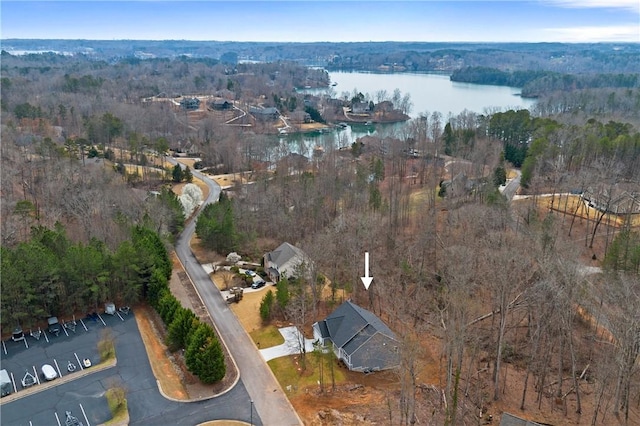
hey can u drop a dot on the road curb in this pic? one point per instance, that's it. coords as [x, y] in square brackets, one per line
[59, 381]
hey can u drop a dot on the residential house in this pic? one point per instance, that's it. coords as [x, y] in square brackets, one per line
[270, 113]
[283, 261]
[359, 338]
[190, 103]
[360, 108]
[221, 104]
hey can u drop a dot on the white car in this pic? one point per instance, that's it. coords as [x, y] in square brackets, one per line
[48, 372]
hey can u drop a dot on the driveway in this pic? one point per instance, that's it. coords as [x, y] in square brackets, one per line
[292, 344]
[264, 390]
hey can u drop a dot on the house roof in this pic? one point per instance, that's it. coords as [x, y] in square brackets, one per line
[511, 420]
[284, 253]
[350, 326]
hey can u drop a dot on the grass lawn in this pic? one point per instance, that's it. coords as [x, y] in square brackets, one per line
[289, 372]
[267, 337]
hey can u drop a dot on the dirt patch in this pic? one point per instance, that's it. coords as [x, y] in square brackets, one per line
[164, 369]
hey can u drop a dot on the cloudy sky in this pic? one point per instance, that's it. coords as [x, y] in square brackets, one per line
[344, 20]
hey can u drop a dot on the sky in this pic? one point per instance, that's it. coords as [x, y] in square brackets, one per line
[334, 21]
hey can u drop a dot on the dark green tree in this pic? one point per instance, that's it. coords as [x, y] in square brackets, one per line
[266, 305]
[282, 294]
[177, 174]
[216, 228]
[187, 176]
[183, 321]
[204, 356]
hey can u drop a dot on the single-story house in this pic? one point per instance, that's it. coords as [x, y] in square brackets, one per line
[283, 261]
[359, 338]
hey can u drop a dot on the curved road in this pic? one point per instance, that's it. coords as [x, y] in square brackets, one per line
[269, 401]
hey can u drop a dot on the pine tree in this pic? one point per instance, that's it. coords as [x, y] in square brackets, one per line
[187, 176]
[204, 356]
[181, 324]
[177, 173]
[266, 305]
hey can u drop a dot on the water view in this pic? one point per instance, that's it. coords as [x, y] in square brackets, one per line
[429, 93]
[432, 92]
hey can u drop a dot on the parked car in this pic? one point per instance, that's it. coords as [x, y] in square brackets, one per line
[110, 308]
[54, 325]
[5, 383]
[258, 284]
[48, 372]
[250, 273]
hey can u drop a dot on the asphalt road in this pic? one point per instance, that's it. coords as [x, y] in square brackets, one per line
[269, 401]
[512, 186]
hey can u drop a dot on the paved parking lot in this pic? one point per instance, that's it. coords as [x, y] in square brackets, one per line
[83, 394]
[43, 403]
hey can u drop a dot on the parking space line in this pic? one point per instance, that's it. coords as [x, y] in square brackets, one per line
[84, 414]
[13, 382]
[4, 347]
[57, 419]
[35, 373]
[65, 329]
[101, 320]
[79, 363]
[30, 424]
[118, 313]
[45, 336]
[82, 322]
[57, 368]
[25, 342]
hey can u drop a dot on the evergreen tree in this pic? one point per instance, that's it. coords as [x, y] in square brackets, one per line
[204, 356]
[266, 305]
[187, 176]
[212, 368]
[181, 324]
[177, 174]
[282, 293]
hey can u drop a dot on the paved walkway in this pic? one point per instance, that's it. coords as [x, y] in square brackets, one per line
[291, 345]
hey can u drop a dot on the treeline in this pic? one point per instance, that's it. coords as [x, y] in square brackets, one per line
[534, 83]
[51, 275]
[535, 143]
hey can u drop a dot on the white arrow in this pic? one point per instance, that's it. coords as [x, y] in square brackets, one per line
[366, 280]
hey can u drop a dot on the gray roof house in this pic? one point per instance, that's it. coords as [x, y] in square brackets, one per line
[283, 261]
[511, 420]
[359, 338]
[269, 113]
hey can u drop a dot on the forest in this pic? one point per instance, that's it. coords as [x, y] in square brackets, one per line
[527, 303]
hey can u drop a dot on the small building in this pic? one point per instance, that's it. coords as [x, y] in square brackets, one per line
[283, 261]
[358, 338]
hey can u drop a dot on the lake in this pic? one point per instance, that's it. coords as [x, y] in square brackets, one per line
[429, 93]
[432, 92]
